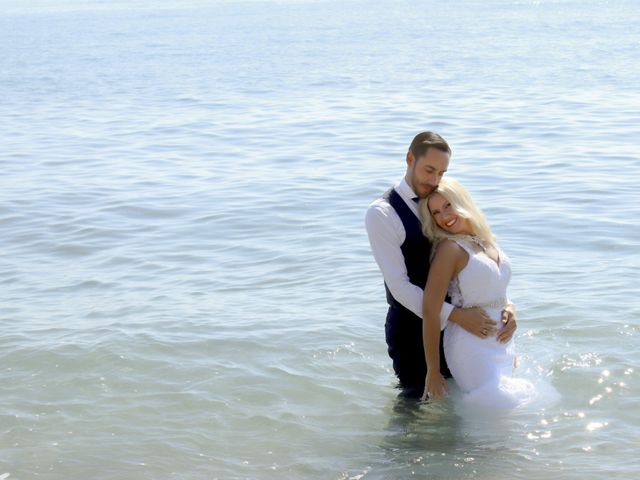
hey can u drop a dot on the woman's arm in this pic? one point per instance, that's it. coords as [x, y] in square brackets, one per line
[448, 260]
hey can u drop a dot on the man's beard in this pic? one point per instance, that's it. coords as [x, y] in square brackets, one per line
[430, 189]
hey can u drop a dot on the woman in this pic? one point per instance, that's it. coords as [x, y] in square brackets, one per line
[468, 265]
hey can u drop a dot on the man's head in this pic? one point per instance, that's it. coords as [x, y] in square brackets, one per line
[427, 160]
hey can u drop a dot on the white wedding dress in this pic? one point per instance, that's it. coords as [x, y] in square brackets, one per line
[482, 367]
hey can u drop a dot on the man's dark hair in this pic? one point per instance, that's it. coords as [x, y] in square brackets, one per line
[426, 140]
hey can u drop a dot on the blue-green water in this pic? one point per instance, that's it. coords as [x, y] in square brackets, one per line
[187, 287]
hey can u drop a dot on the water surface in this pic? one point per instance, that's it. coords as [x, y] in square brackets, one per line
[188, 290]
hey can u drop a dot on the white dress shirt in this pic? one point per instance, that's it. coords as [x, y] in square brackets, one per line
[386, 235]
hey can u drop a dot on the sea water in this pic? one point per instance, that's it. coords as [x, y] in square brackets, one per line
[187, 286]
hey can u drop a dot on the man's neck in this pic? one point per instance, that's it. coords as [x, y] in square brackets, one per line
[408, 182]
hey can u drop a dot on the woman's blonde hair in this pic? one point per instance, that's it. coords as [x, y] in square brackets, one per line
[464, 206]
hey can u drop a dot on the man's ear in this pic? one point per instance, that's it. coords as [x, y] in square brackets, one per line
[410, 159]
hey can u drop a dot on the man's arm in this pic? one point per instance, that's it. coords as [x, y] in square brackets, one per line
[386, 235]
[474, 320]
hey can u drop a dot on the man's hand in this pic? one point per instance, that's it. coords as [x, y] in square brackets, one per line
[509, 321]
[476, 321]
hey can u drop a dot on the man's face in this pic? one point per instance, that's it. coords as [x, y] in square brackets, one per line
[424, 173]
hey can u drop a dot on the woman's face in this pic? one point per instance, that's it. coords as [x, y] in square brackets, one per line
[446, 217]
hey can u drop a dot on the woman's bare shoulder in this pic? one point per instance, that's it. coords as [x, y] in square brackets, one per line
[448, 251]
[448, 248]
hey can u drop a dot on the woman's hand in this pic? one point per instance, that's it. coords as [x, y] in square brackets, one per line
[509, 321]
[475, 321]
[435, 386]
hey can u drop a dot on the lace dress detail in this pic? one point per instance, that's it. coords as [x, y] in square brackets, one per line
[455, 294]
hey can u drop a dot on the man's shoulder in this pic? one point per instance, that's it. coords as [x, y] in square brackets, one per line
[384, 198]
[380, 204]
[380, 212]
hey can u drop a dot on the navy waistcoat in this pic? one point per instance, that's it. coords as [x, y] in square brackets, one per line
[416, 247]
[403, 328]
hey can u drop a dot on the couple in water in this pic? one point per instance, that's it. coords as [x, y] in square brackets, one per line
[446, 284]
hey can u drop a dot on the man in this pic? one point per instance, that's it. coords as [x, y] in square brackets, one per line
[402, 254]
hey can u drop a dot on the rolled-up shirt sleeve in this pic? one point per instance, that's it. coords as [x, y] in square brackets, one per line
[386, 235]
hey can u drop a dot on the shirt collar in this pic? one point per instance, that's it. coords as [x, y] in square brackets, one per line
[405, 190]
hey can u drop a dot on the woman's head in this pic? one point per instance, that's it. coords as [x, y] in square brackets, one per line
[449, 211]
